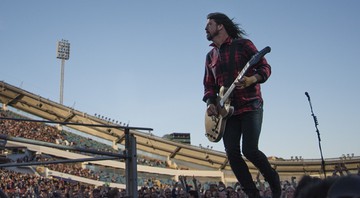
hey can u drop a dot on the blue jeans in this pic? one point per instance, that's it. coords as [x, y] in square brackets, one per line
[247, 127]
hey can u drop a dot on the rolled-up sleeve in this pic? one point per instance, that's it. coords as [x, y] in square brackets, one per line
[262, 67]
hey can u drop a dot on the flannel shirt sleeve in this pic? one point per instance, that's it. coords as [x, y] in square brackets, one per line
[262, 67]
[210, 86]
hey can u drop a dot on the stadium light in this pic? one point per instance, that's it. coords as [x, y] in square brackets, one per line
[63, 53]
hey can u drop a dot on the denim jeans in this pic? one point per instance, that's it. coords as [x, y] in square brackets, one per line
[247, 127]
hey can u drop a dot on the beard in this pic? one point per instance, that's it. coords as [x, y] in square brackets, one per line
[210, 36]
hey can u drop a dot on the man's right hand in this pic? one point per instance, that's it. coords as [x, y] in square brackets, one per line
[211, 110]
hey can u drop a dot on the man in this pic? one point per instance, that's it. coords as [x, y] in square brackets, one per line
[246, 99]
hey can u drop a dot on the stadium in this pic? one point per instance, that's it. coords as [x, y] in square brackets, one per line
[46, 149]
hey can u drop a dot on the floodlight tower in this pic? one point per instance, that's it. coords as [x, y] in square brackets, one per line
[63, 53]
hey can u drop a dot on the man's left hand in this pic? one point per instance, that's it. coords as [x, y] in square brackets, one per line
[245, 82]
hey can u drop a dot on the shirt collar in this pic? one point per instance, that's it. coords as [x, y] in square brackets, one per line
[227, 41]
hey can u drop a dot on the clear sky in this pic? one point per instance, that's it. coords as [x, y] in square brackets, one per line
[142, 63]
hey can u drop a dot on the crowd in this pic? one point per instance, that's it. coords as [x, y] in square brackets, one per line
[15, 184]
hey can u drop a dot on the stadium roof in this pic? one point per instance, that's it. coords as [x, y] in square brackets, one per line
[147, 142]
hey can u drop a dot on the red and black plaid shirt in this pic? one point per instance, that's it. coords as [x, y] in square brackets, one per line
[217, 61]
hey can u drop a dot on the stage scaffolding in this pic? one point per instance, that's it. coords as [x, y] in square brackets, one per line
[129, 154]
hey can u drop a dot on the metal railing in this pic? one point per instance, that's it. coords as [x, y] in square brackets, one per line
[129, 155]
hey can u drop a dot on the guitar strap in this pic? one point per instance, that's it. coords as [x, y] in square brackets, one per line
[231, 65]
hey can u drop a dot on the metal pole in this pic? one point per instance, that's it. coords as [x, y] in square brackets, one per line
[77, 124]
[58, 146]
[58, 161]
[63, 53]
[131, 165]
[318, 134]
[62, 81]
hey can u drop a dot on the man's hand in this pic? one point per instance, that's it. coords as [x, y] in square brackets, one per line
[245, 82]
[211, 110]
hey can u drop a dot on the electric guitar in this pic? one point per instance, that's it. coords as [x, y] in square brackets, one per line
[215, 124]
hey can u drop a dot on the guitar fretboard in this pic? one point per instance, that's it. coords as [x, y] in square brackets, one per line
[232, 86]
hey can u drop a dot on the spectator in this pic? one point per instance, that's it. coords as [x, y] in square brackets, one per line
[113, 193]
[346, 186]
[314, 188]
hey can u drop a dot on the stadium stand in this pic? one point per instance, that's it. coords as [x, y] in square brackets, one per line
[163, 165]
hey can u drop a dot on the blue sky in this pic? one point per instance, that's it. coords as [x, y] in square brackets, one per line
[142, 63]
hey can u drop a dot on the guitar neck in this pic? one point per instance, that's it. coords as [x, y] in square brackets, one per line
[232, 86]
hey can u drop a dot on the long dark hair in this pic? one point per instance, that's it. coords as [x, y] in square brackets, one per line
[233, 29]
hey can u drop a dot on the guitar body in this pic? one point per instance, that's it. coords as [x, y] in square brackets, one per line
[215, 125]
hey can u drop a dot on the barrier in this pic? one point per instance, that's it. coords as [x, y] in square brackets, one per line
[129, 154]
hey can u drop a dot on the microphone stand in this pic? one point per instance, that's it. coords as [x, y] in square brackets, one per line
[318, 134]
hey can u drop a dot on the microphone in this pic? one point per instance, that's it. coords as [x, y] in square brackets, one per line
[307, 95]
